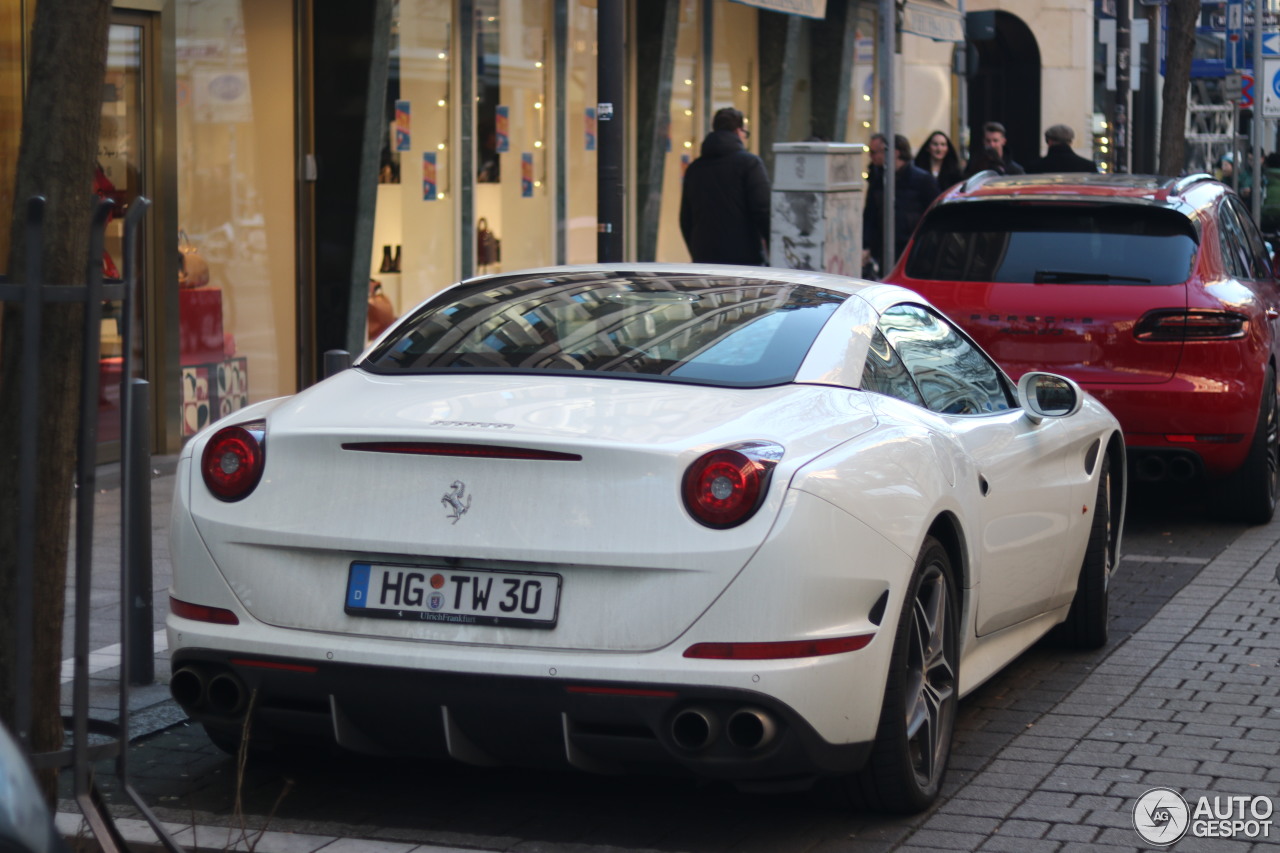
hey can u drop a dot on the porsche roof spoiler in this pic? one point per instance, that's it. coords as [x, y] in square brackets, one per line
[978, 180]
[1181, 185]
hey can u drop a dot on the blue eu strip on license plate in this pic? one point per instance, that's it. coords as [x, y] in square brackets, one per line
[461, 596]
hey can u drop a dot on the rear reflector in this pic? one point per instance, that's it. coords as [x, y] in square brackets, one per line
[202, 613]
[271, 664]
[1229, 438]
[620, 691]
[778, 651]
[481, 451]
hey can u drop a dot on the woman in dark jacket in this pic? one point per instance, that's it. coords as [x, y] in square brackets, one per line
[938, 157]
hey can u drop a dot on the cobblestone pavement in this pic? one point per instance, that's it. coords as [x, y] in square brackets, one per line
[1050, 755]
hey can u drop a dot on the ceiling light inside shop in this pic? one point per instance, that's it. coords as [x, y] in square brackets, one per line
[538, 144]
[441, 102]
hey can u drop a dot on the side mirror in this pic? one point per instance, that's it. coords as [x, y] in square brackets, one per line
[1047, 395]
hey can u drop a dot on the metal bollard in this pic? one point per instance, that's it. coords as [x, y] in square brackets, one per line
[141, 644]
[336, 361]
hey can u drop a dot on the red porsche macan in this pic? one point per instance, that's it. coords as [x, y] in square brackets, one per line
[1156, 294]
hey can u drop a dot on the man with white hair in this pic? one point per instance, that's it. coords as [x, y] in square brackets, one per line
[1059, 157]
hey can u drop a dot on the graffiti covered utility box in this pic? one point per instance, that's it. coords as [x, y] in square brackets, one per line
[817, 207]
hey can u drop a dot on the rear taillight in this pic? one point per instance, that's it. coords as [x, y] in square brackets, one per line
[724, 488]
[1176, 324]
[233, 460]
[202, 612]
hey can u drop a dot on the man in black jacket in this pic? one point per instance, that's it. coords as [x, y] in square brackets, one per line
[1059, 157]
[724, 208]
[914, 190]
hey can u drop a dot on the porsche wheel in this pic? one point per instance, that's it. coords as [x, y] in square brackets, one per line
[913, 740]
[1086, 623]
[1252, 493]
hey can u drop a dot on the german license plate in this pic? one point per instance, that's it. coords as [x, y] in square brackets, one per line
[465, 597]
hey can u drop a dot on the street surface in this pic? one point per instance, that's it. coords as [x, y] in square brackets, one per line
[1050, 755]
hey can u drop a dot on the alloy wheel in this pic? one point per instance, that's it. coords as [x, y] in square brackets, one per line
[931, 677]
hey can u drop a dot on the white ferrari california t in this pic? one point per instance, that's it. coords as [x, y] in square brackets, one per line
[759, 525]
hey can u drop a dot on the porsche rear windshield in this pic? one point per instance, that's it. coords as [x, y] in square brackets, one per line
[1082, 243]
[713, 330]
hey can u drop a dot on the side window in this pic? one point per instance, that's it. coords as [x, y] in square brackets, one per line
[954, 376]
[885, 373]
[1235, 251]
[1257, 247]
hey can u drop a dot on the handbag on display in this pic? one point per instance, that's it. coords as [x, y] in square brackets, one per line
[381, 312]
[488, 246]
[193, 270]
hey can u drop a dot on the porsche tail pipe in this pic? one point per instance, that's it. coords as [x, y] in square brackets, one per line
[198, 689]
[696, 728]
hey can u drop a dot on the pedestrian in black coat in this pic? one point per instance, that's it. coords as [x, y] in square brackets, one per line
[1059, 157]
[992, 154]
[914, 190]
[724, 206]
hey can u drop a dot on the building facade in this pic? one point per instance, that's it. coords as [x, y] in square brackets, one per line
[302, 153]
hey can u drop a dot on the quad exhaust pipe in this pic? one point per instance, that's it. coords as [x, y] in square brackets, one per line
[750, 728]
[1156, 468]
[197, 689]
[696, 728]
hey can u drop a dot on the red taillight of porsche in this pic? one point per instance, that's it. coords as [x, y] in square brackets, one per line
[724, 488]
[1176, 324]
[233, 460]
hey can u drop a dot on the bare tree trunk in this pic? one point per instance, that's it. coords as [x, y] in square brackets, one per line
[60, 124]
[1183, 17]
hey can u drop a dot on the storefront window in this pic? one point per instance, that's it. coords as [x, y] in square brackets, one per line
[118, 176]
[863, 99]
[687, 124]
[733, 74]
[235, 109]
[514, 138]
[580, 141]
[415, 222]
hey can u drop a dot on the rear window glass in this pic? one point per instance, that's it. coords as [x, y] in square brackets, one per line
[721, 330]
[1053, 244]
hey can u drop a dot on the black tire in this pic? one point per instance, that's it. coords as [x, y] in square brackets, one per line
[1250, 494]
[1086, 623]
[913, 740]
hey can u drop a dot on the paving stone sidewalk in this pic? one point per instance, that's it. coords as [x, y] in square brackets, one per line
[1188, 702]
